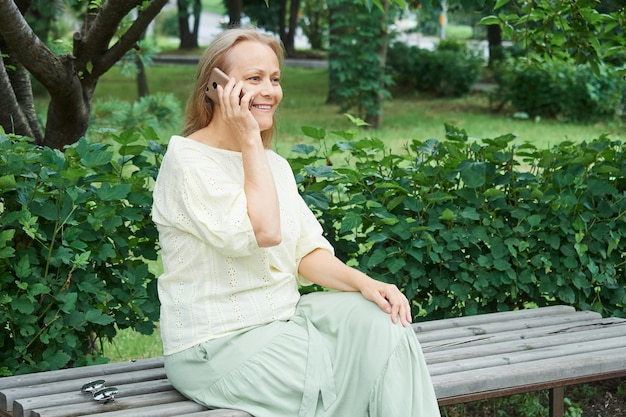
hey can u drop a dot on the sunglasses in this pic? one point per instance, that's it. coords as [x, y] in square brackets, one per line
[99, 391]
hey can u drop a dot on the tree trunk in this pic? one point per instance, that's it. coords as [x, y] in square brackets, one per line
[142, 82]
[188, 37]
[375, 119]
[69, 79]
[496, 50]
[294, 9]
[282, 27]
[17, 108]
[335, 32]
[235, 8]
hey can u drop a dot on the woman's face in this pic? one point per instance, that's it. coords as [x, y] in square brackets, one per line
[257, 66]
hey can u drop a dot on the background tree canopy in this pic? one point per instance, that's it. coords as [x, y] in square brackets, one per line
[589, 31]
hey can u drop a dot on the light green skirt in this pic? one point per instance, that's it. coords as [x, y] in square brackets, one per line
[340, 356]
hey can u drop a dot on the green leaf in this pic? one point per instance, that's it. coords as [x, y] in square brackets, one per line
[489, 20]
[303, 149]
[447, 215]
[395, 264]
[567, 295]
[132, 150]
[316, 200]
[500, 4]
[67, 301]
[377, 257]
[313, 132]
[7, 182]
[97, 317]
[350, 222]
[56, 359]
[109, 192]
[473, 174]
[23, 305]
[22, 269]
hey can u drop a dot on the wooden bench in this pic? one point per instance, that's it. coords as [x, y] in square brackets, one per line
[469, 358]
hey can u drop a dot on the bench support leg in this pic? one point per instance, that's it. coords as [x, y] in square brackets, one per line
[557, 405]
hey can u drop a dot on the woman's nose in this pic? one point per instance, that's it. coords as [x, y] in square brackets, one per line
[266, 88]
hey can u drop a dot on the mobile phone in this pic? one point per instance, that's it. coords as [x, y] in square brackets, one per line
[217, 77]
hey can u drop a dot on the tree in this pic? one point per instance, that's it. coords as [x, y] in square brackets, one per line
[581, 31]
[189, 34]
[357, 57]
[280, 16]
[287, 31]
[104, 37]
[234, 8]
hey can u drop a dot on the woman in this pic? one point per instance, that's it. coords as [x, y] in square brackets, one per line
[237, 240]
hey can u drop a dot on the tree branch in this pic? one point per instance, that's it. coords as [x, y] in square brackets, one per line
[94, 40]
[129, 39]
[27, 48]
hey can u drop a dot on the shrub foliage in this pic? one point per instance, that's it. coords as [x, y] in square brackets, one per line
[451, 70]
[462, 226]
[466, 226]
[75, 235]
[559, 90]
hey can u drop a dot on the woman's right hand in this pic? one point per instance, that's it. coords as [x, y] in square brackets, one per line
[235, 109]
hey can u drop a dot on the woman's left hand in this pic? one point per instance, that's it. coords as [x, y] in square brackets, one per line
[323, 268]
[389, 298]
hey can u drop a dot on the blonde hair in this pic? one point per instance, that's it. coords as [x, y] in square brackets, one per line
[199, 111]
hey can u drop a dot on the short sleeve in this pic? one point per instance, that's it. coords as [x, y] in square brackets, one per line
[201, 196]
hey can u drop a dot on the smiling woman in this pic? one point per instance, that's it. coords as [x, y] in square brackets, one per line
[237, 240]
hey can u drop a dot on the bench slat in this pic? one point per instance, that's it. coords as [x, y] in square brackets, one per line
[521, 374]
[530, 313]
[23, 406]
[157, 410]
[529, 357]
[497, 326]
[80, 372]
[218, 413]
[508, 342]
[90, 406]
[8, 396]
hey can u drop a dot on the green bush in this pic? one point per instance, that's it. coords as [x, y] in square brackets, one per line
[449, 71]
[75, 238]
[558, 90]
[166, 23]
[156, 111]
[466, 226]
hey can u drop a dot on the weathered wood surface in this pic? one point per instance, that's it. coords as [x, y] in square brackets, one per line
[468, 357]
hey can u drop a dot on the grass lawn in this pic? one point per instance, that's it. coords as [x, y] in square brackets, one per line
[405, 117]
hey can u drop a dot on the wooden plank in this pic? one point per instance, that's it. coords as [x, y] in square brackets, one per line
[561, 369]
[504, 392]
[89, 406]
[79, 372]
[530, 357]
[517, 344]
[158, 410]
[22, 407]
[503, 335]
[500, 326]
[218, 413]
[8, 396]
[529, 313]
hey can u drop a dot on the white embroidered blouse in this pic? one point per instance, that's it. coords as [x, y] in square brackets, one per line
[216, 280]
